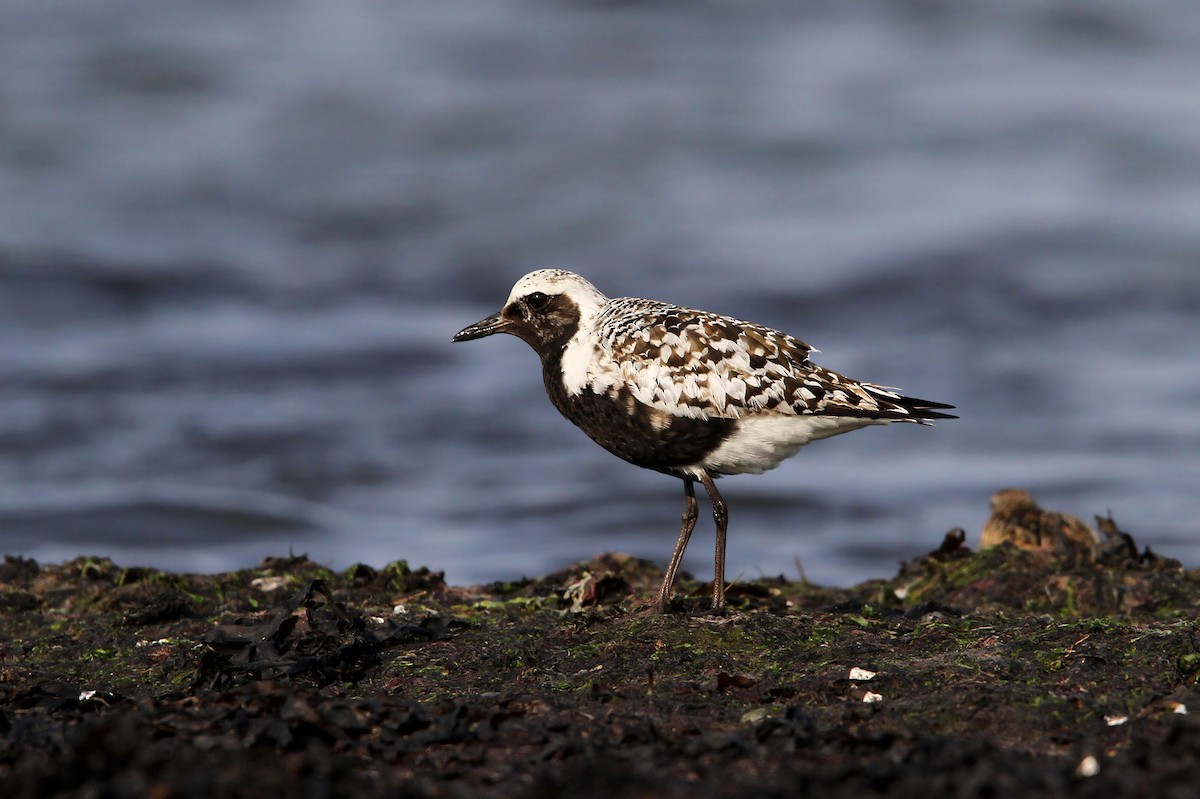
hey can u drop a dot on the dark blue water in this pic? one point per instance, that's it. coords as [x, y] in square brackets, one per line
[236, 238]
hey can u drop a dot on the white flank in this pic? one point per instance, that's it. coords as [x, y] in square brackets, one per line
[763, 442]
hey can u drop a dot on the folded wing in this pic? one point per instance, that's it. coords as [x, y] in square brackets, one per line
[702, 365]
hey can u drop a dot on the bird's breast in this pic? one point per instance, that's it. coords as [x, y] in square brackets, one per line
[634, 431]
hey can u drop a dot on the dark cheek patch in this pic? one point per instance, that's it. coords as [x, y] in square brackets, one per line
[549, 329]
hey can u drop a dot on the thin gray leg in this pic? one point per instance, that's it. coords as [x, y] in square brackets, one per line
[690, 514]
[721, 517]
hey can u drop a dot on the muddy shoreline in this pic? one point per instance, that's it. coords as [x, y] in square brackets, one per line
[994, 673]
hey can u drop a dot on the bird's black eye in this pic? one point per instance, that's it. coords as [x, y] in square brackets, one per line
[537, 300]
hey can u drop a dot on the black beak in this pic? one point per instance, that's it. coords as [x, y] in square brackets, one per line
[484, 327]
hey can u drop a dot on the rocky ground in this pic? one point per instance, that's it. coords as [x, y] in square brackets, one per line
[999, 673]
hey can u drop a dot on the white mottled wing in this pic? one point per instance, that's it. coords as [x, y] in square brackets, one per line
[697, 364]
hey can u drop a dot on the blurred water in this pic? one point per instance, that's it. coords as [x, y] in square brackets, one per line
[235, 239]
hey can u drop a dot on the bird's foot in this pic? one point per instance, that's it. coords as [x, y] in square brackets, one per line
[662, 605]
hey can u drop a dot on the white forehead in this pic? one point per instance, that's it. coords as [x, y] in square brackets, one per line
[557, 281]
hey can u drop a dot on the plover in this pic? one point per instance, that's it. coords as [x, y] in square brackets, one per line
[685, 392]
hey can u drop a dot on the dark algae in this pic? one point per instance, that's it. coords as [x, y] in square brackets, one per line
[997, 673]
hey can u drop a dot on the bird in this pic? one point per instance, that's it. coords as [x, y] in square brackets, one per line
[685, 392]
[1018, 519]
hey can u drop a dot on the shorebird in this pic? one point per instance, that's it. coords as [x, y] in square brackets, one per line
[685, 392]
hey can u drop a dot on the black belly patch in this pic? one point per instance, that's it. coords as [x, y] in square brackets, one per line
[635, 432]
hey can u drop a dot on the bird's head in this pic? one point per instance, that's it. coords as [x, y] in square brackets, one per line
[544, 309]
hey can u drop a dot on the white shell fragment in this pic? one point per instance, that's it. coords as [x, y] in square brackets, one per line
[756, 715]
[1088, 767]
[861, 674]
[870, 697]
[268, 584]
[1115, 721]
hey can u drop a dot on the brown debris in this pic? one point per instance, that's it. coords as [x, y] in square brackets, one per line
[1018, 520]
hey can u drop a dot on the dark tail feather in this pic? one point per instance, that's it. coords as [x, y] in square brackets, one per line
[894, 408]
[922, 410]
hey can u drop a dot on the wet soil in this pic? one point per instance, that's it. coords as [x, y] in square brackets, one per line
[1001, 673]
